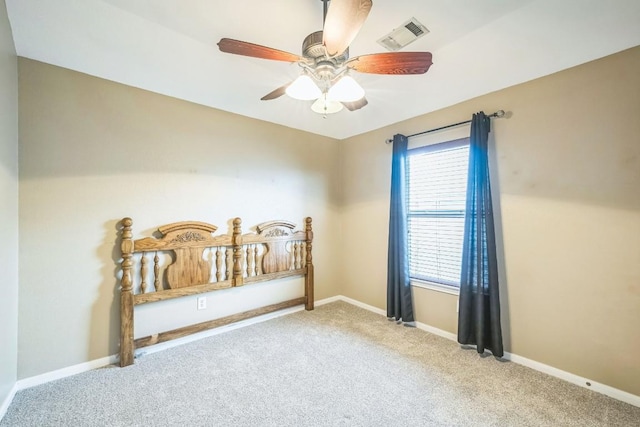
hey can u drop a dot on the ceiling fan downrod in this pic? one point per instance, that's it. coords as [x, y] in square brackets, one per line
[325, 7]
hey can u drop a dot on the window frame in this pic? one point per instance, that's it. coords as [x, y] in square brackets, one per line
[434, 147]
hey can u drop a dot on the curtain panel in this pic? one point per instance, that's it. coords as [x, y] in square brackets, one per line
[479, 314]
[399, 298]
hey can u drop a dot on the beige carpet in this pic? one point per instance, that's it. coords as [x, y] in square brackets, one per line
[336, 366]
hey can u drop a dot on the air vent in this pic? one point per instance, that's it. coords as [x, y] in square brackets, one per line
[402, 36]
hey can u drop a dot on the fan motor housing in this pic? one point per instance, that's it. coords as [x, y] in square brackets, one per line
[312, 48]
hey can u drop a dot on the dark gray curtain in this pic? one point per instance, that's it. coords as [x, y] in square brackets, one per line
[479, 315]
[399, 300]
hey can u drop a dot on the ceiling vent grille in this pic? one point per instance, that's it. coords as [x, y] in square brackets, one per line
[400, 37]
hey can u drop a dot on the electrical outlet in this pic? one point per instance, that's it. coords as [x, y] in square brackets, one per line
[202, 303]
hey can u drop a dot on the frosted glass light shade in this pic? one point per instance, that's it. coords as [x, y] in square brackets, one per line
[346, 90]
[304, 89]
[324, 105]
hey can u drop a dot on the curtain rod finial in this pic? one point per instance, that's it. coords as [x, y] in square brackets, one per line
[499, 113]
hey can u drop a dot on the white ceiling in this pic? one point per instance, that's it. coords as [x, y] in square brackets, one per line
[169, 47]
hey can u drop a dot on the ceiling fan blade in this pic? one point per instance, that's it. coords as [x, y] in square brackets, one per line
[276, 93]
[342, 23]
[238, 47]
[392, 63]
[356, 105]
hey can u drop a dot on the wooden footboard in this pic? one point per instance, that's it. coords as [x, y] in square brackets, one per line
[188, 260]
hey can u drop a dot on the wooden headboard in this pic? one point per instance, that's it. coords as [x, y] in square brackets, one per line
[201, 262]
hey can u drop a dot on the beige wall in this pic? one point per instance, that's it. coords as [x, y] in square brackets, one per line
[567, 179]
[8, 207]
[93, 152]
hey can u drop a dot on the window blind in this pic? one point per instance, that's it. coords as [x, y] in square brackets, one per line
[437, 187]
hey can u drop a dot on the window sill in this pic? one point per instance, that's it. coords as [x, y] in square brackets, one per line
[435, 287]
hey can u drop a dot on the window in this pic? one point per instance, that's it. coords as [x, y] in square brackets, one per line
[437, 188]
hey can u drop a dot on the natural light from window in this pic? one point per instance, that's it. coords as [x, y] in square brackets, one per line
[437, 178]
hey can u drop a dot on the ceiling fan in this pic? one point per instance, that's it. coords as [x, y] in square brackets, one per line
[325, 60]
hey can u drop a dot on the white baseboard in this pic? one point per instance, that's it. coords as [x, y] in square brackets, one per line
[327, 301]
[381, 312]
[437, 331]
[66, 372]
[7, 401]
[615, 393]
[361, 305]
[109, 360]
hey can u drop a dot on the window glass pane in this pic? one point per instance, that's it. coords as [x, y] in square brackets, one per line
[438, 180]
[437, 196]
[435, 249]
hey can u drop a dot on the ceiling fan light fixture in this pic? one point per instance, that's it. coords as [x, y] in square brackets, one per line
[325, 58]
[324, 105]
[346, 90]
[304, 89]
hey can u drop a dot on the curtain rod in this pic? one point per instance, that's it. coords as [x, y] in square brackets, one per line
[498, 114]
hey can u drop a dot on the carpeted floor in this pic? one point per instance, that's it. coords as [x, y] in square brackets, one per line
[336, 366]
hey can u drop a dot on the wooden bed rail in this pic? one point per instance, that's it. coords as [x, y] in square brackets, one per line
[188, 260]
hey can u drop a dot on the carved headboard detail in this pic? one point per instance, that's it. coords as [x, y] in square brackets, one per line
[188, 241]
[279, 233]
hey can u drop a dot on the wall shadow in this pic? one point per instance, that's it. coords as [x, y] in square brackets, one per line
[505, 314]
[105, 311]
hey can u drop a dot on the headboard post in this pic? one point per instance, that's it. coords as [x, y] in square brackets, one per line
[126, 296]
[237, 252]
[308, 279]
